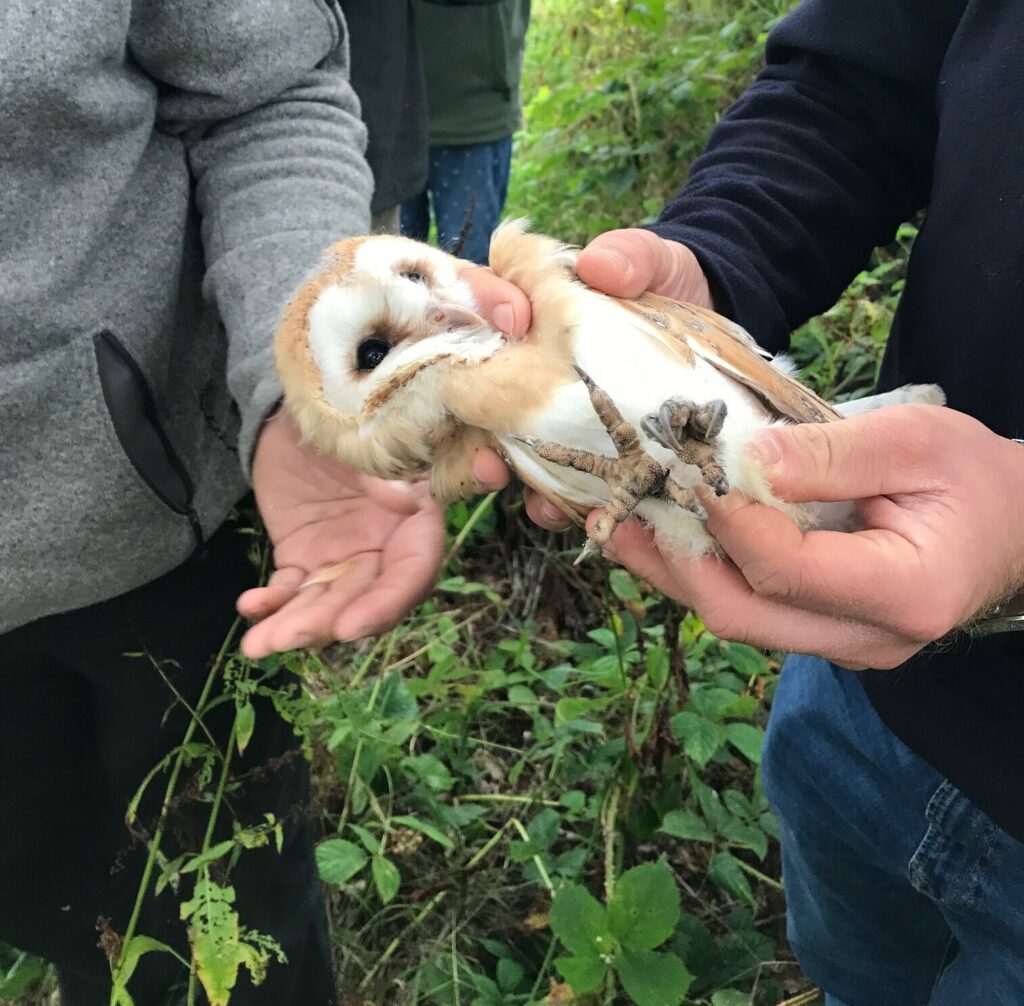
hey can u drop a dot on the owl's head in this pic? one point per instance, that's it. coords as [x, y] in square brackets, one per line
[364, 348]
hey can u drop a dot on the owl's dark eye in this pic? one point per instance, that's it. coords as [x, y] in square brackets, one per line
[371, 353]
[413, 276]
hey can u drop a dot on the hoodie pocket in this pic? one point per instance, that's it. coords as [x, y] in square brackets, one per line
[133, 413]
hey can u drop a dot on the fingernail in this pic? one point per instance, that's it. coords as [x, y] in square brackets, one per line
[504, 318]
[766, 449]
[617, 258]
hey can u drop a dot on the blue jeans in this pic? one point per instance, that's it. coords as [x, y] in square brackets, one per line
[899, 891]
[464, 183]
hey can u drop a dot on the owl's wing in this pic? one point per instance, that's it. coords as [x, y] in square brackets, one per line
[728, 348]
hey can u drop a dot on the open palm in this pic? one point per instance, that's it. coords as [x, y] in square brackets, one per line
[352, 553]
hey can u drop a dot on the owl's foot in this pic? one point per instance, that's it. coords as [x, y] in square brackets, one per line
[633, 476]
[690, 431]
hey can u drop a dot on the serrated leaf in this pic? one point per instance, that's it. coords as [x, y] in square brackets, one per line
[579, 920]
[584, 974]
[339, 860]
[747, 739]
[749, 836]
[724, 870]
[219, 948]
[386, 877]
[686, 825]
[644, 909]
[245, 725]
[653, 979]
[425, 828]
[701, 737]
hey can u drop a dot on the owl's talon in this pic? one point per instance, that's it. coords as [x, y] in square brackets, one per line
[690, 431]
[590, 548]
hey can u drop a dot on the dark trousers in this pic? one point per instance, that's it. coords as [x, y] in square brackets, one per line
[81, 724]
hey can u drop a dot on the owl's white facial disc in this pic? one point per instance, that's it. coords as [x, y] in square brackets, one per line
[386, 327]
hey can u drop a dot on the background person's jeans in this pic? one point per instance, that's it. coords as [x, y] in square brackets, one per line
[464, 182]
[899, 891]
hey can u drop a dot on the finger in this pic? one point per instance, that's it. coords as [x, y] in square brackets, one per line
[723, 599]
[627, 262]
[307, 618]
[407, 572]
[870, 576]
[893, 450]
[259, 602]
[489, 471]
[544, 513]
[502, 303]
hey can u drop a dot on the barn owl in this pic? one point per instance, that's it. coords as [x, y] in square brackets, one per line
[624, 405]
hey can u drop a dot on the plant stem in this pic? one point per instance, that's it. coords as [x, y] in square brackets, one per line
[763, 877]
[172, 783]
[481, 508]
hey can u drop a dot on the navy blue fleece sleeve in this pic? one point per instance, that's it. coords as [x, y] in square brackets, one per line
[818, 161]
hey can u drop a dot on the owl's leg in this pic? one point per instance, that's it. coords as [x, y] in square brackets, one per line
[690, 431]
[633, 476]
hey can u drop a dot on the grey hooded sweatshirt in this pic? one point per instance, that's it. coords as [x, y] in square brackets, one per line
[169, 172]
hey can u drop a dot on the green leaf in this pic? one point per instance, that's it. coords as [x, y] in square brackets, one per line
[701, 737]
[584, 974]
[136, 947]
[747, 739]
[687, 825]
[579, 920]
[386, 877]
[623, 586]
[245, 724]
[371, 842]
[431, 771]
[749, 836]
[211, 855]
[644, 909]
[653, 979]
[747, 660]
[338, 860]
[219, 947]
[543, 830]
[424, 828]
[730, 997]
[574, 800]
[724, 870]
[523, 697]
[510, 974]
[21, 975]
[568, 710]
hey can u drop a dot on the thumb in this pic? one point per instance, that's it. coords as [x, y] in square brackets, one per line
[889, 451]
[627, 262]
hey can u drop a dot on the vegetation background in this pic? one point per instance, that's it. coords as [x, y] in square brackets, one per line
[543, 786]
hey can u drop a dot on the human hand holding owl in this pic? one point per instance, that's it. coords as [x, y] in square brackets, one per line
[941, 506]
[352, 553]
